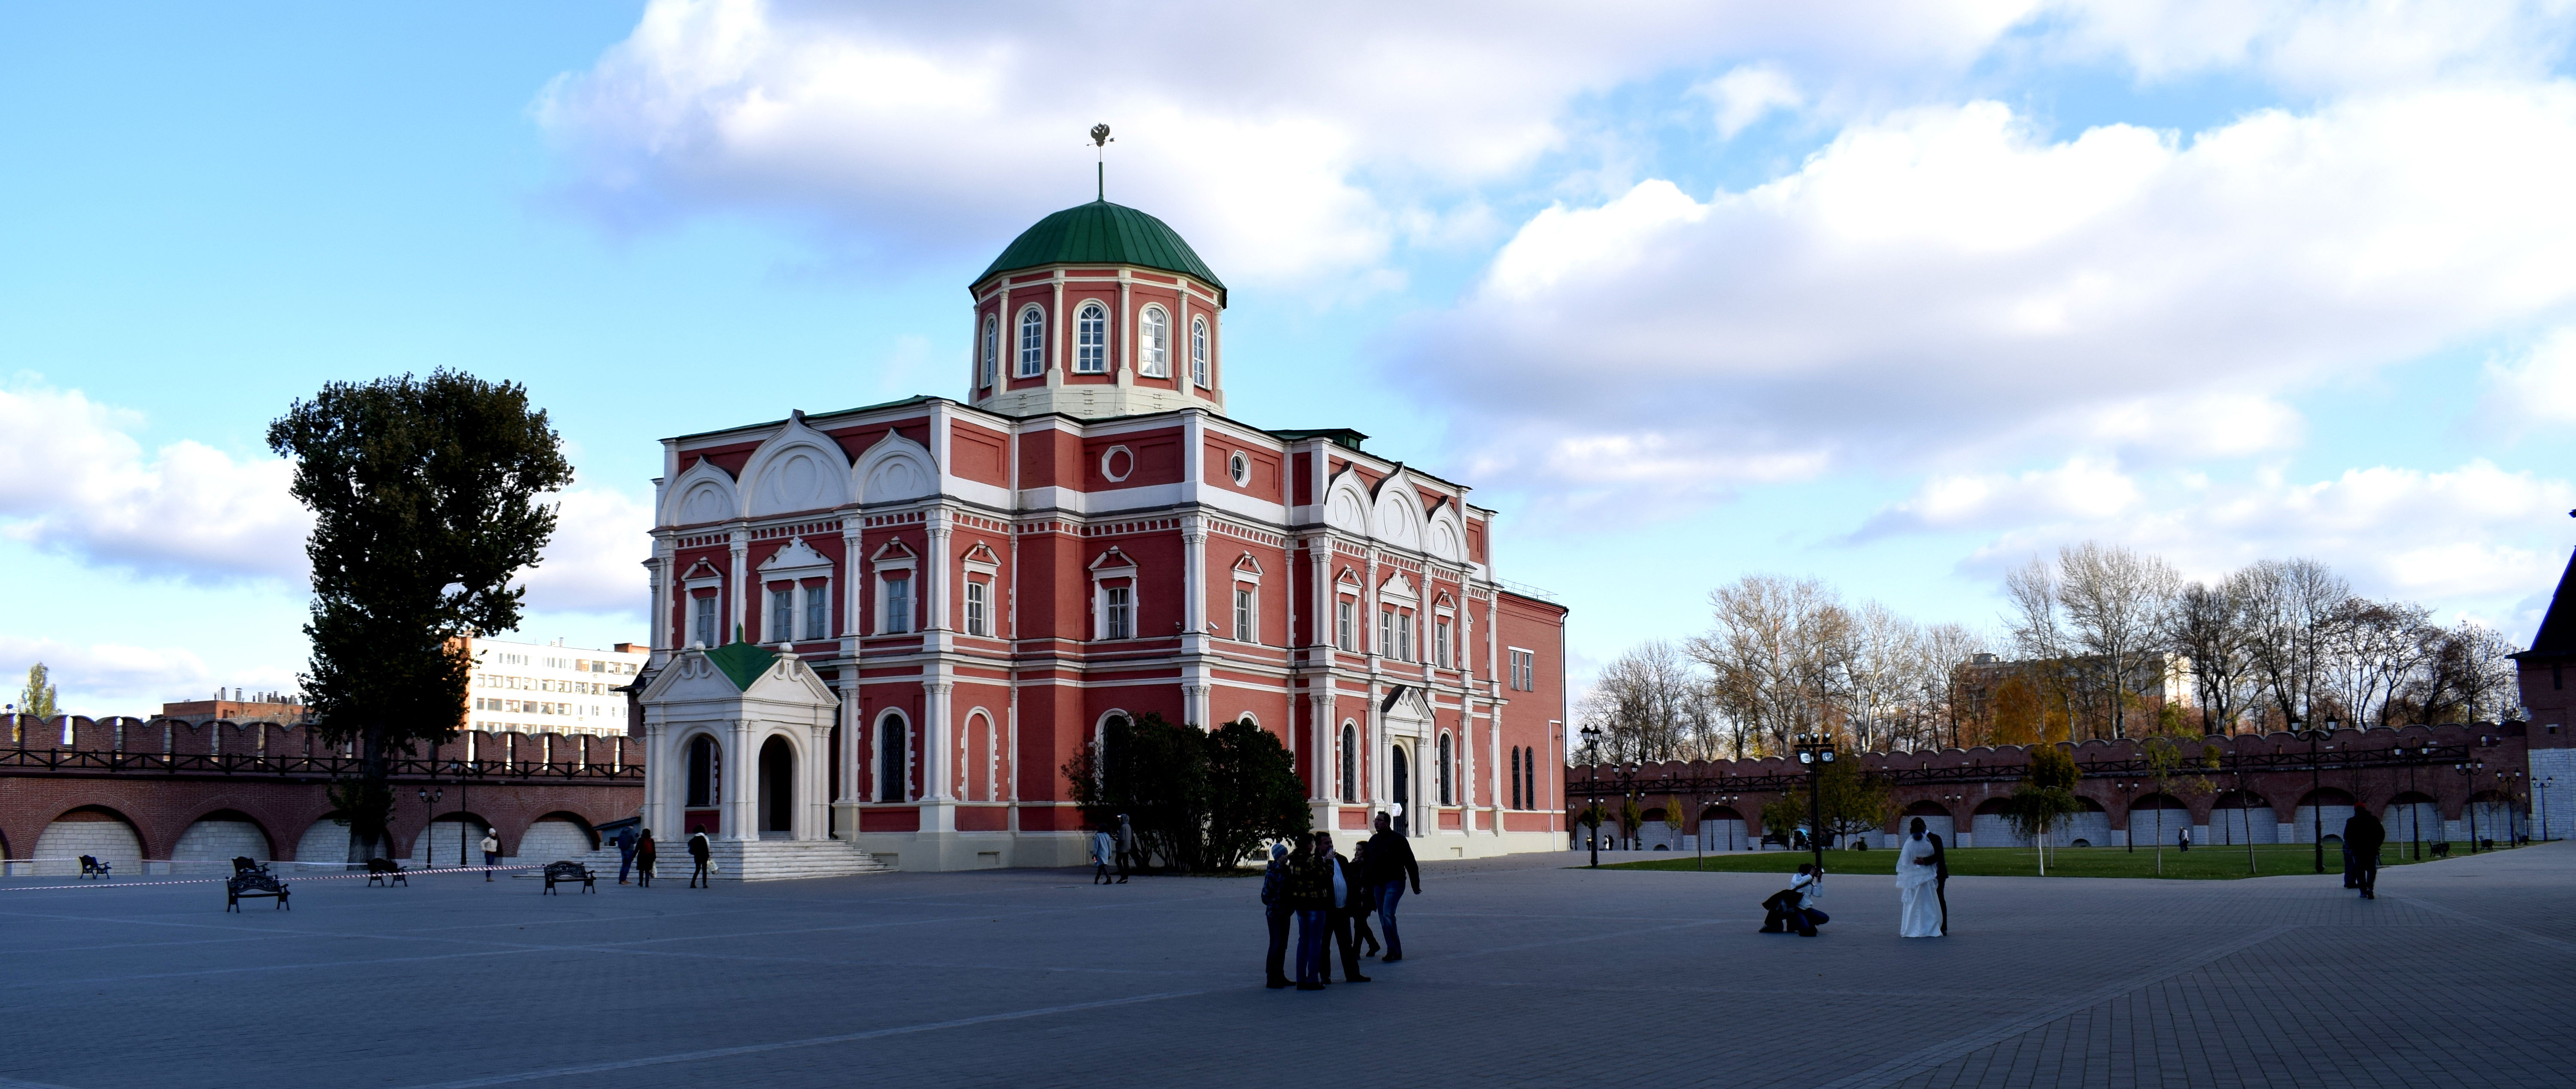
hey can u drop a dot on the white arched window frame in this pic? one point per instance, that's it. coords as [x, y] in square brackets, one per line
[1154, 343]
[1350, 762]
[1032, 348]
[1199, 351]
[1115, 601]
[1091, 338]
[981, 772]
[893, 758]
[989, 351]
[1446, 752]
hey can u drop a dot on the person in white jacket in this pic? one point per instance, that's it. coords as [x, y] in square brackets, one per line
[1103, 851]
[1918, 912]
[491, 853]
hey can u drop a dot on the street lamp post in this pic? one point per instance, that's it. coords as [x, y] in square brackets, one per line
[2545, 784]
[2129, 806]
[2414, 810]
[1815, 751]
[429, 797]
[2316, 784]
[2507, 786]
[1592, 788]
[2469, 777]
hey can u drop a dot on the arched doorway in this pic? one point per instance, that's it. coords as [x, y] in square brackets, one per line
[777, 789]
[1721, 828]
[1400, 777]
[1350, 763]
[705, 762]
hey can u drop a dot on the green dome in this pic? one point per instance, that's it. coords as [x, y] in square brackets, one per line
[1101, 233]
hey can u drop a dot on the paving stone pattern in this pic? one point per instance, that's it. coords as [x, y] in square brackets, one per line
[1522, 972]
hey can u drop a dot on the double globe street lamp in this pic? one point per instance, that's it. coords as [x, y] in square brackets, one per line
[1814, 752]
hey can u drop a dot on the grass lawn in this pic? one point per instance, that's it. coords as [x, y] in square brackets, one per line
[2202, 862]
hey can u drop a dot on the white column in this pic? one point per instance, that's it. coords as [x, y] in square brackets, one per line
[938, 743]
[1194, 583]
[854, 582]
[939, 522]
[660, 568]
[814, 785]
[1194, 704]
[733, 592]
[742, 783]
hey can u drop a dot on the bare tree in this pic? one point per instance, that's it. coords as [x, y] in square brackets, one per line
[2207, 628]
[2291, 607]
[1777, 658]
[2116, 602]
[2370, 651]
[2467, 675]
[1649, 705]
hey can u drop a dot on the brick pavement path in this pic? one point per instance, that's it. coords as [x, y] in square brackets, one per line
[1523, 973]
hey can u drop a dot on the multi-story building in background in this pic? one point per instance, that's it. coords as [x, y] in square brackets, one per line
[279, 707]
[549, 687]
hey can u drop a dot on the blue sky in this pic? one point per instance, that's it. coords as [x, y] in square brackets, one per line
[1894, 298]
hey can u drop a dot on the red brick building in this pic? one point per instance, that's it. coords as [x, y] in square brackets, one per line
[984, 583]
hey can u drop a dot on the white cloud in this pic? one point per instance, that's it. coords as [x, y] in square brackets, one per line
[593, 563]
[103, 679]
[1746, 93]
[2539, 386]
[2477, 536]
[73, 481]
[1288, 143]
[1947, 286]
[2319, 47]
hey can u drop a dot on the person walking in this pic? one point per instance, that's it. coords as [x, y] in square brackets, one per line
[1391, 865]
[1310, 896]
[2362, 837]
[645, 855]
[2186, 839]
[1362, 902]
[700, 876]
[1274, 911]
[1348, 902]
[1918, 915]
[1126, 848]
[625, 852]
[491, 852]
[1101, 852]
[1941, 879]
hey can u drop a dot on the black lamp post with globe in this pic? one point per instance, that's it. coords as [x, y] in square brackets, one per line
[1814, 752]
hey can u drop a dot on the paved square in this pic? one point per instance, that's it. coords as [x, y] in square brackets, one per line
[1521, 973]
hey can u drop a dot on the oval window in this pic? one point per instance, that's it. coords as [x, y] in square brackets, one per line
[1117, 463]
[1239, 467]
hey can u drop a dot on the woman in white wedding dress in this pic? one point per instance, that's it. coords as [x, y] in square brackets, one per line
[1918, 908]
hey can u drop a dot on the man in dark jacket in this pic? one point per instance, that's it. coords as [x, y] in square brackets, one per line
[1310, 896]
[2362, 837]
[1351, 904]
[1274, 910]
[1390, 866]
[1941, 880]
[699, 878]
[625, 852]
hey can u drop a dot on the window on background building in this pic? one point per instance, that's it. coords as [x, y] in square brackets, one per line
[782, 615]
[1199, 351]
[1345, 625]
[818, 611]
[1350, 763]
[890, 749]
[1091, 339]
[1243, 629]
[1116, 623]
[1032, 342]
[1154, 343]
[1444, 770]
[1516, 778]
[1440, 642]
[702, 625]
[898, 604]
[991, 350]
[1386, 630]
[978, 605]
[1404, 635]
[1524, 671]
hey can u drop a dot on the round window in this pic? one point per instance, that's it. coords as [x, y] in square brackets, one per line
[1239, 467]
[1117, 463]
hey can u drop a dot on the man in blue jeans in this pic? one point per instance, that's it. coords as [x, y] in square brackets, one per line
[1390, 866]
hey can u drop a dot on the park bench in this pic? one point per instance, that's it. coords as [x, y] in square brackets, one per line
[253, 881]
[92, 867]
[386, 871]
[569, 872]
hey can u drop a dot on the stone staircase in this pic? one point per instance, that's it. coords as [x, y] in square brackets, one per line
[767, 860]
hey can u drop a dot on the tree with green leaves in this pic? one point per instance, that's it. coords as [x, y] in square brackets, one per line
[2045, 798]
[1782, 816]
[1254, 795]
[1854, 800]
[2171, 764]
[38, 697]
[1197, 799]
[426, 496]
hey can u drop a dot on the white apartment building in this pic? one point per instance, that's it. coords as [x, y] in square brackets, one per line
[549, 687]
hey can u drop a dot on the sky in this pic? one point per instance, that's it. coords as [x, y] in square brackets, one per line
[1896, 296]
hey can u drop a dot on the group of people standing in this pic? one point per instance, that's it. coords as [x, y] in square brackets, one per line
[1922, 892]
[1108, 850]
[1326, 894]
[637, 855]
